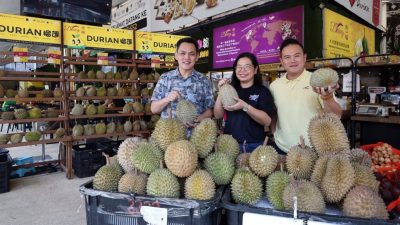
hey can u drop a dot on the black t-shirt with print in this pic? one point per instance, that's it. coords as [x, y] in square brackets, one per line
[239, 124]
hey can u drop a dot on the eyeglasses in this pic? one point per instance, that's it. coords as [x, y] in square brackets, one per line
[245, 68]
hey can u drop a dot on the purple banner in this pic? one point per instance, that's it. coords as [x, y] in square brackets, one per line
[261, 36]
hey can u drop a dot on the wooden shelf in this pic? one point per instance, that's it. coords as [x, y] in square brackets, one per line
[137, 133]
[30, 79]
[102, 97]
[54, 119]
[95, 63]
[39, 163]
[376, 119]
[105, 115]
[31, 99]
[368, 65]
[93, 59]
[32, 73]
[54, 140]
[102, 80]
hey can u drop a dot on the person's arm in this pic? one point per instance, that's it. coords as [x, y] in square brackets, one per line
[218, 109]
[159, 105]
[257, 115]
[206, 114]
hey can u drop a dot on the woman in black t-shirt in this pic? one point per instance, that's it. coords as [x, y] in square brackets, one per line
[246, 119]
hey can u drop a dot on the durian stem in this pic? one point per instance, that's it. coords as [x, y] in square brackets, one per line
[302, 144]
[107, 158]
[169, 111]
[265, 141]
[244, 146]
[161, 164]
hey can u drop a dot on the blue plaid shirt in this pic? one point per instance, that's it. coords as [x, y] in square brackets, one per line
[197, 89]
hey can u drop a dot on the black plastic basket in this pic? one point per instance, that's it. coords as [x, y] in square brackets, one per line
[5, 170]
[88, 158]
[108, 208]
[234, 213]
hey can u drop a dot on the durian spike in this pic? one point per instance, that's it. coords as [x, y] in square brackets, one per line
[302, 144]
[265, 141]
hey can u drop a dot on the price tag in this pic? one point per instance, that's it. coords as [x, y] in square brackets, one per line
[154, 215]
[102, 58]
[20, 54]
[155, 62]
[54, 56]
[253, 218]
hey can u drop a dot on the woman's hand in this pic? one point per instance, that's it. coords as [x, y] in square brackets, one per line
[237, 106]
[223, 81]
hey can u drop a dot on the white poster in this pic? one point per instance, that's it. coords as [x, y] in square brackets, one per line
[174, 14]
[348, 84]
[132, 14]
[368, 10]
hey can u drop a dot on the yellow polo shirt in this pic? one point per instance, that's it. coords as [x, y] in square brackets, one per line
[296, 104]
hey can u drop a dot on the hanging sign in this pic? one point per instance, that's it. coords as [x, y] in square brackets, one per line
[84, 36]
[102, 58]
[368, 10]
[54, 56]
[155, 62]
[29, 29]
[20, 54]
[147, 42]
[343, 37]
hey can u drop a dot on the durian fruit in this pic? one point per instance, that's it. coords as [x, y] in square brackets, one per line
[128, 126]
[204, 136]
[57, 92]
[142, 77]
[90, 110]
[186, 111]
[23, 93]
[150, 76]
[199, 186]
[16, 138]
[327, 134]
[162, 183]
[111, 91]
[146, 157]
[137, 107]
[109, 75]
[133, 75]
[91, 74]
[107, 178]
[300, 160]
[145, 92]
[125, 75]
[246, 187]
[365, 177]
[324, 77]
[168, 131]
[275, 185]
[34, 113]
[10, 93]
[82, 75]
[4, 138]
[227, 93]
[156, 76]
[181, 158]
[363, 202]
[80, 92]
[226, 143]
[136, 125]
[110, 128]
[119, 128]
[77, 110]
[51, 113]
[100, 75]
[60, 132]
[121, 91]
[133, 183]
[101, 109]
[77, 130]
[125, 152]
[147, 108]
[117, 76]
[91, 91]
[20, 114]
[7, 116]
[338, 179]
[309, 197]
[155, 118]
[263, 160]
[359, 156]
[127, 108]
[101, 91]
[33, 136]
[319, 170]
[143, 125]
[101, 128]
[134, 91]
[89, 129]
[114, 162]
[47, 93]
[221, 167]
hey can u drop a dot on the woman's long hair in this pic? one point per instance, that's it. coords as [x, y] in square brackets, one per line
[257, 77]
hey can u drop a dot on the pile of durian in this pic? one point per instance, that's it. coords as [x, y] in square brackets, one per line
[326, 173]
[18, 138]
[124, 75]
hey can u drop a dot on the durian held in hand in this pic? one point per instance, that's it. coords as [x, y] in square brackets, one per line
[324, 81]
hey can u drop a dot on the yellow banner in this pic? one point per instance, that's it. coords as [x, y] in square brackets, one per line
[153, 42]
[345, 37]
[84, 36]
[30, 29]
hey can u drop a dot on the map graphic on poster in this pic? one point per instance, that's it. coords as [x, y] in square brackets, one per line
[261, 36]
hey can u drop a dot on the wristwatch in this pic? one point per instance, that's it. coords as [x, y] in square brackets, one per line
[246, 107]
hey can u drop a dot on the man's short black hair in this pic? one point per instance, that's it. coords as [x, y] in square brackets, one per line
[187, 40]
[291, 41]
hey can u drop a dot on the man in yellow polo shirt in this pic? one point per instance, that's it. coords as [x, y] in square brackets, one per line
[296, 101]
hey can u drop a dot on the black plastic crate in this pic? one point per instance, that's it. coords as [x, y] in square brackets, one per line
[111, 145]
[5, 170]
[3, 155]
[234, 214]
[87, 159]
[108, 208]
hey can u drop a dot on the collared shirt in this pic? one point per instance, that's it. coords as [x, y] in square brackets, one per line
[296, 104]
[196, 88]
